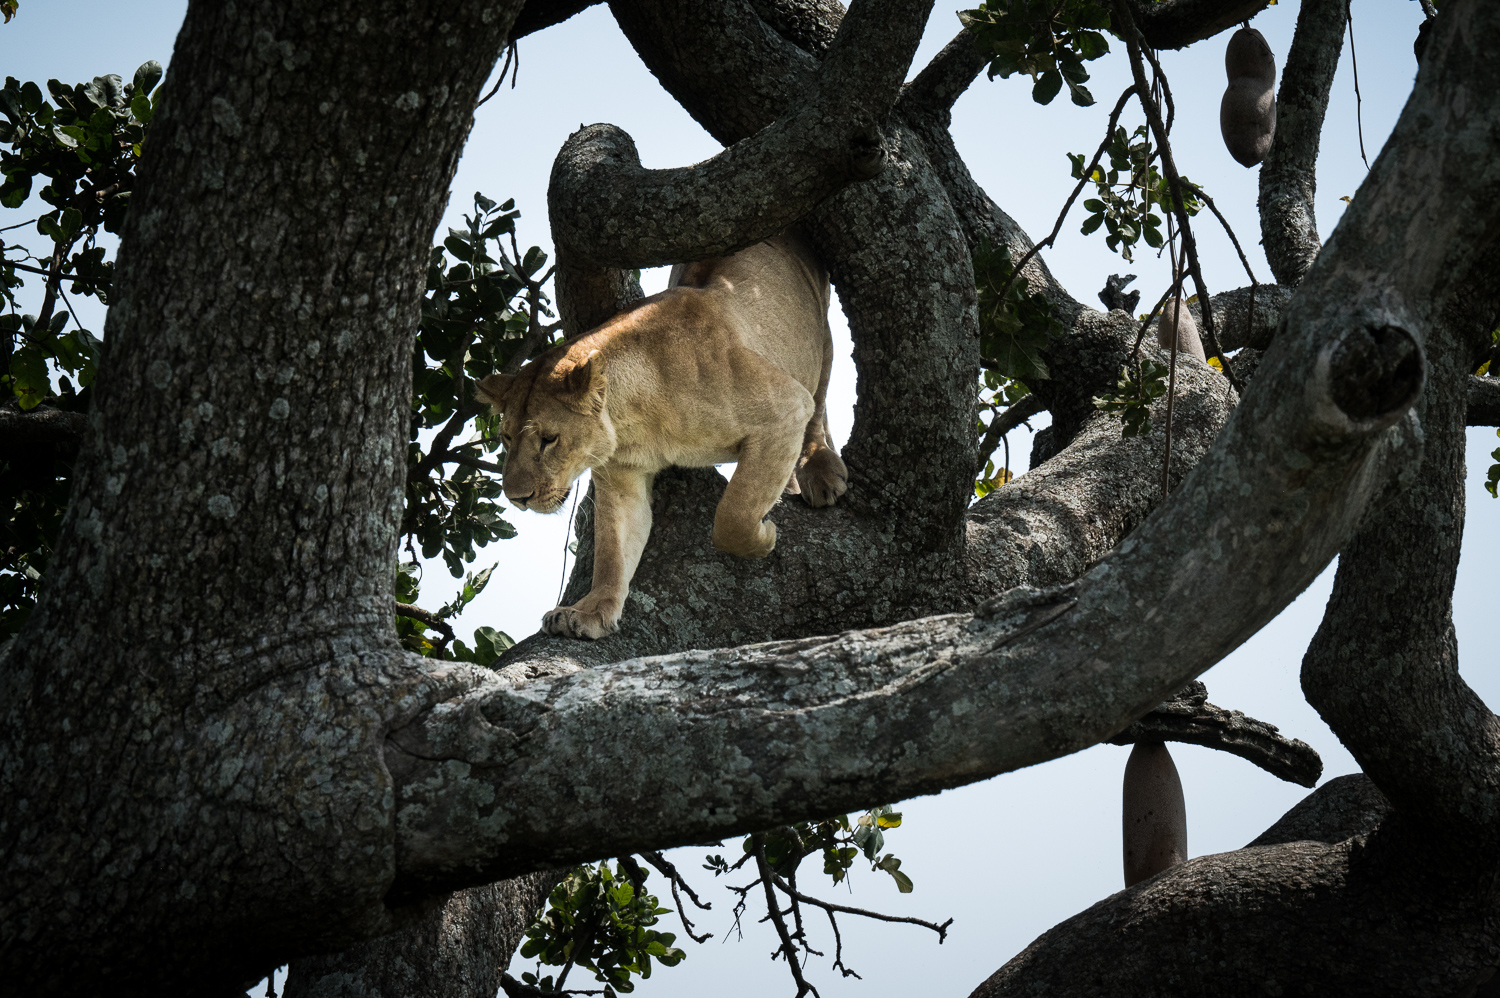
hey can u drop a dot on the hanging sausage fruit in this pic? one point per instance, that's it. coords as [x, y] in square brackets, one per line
[1247, 115]
[1155, 814]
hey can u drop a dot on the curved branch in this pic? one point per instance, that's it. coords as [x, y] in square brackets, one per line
[943, 80]
[1340, 809]
[1176, 24]
[698, 744]
[1288, 178]
[1383, 667]
[1198, 722]
[43, 426]
[605, 207]
[539, 14]
[1218, 924]
[1239, 324]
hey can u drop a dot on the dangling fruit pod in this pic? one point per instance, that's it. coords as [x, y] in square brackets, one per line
[1247, 114]
[1175, 317]
[1155, 815]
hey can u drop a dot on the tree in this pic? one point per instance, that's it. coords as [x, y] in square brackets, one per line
[219, 757]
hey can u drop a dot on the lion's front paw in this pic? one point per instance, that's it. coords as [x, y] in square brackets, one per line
[576, 622]
[755, 543]
[823, 478]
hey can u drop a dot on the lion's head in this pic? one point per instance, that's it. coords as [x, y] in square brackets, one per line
[554, 424]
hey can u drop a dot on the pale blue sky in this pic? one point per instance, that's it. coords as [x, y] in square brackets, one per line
[1010, 857]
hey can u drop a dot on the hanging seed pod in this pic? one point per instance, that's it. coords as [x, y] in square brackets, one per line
[1155, 816]
[1247, 114]
[1175, 317]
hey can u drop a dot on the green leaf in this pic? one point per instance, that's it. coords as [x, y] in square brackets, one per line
[146, 78]
[1047, 87]
[28, 376]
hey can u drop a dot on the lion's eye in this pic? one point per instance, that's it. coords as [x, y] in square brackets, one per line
[548, 442]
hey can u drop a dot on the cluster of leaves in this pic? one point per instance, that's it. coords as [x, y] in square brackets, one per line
[85, 144]
[1015, 325]
[839, 840]
[997, 393]
[1048, 40]
[479, 312]
[599, 920]
[1134, 392]
[1123, 206]
[417, 635]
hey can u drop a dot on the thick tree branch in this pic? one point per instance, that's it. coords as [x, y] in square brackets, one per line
[1483, 401]
[1233, 315]
[539, 14]
[1383, 667]
[1369, 919]
[943, 80]
[751, 737]
[1288, 178]
[43, 426]
[1176, 24]
[1191, 719]
[604, 206]
[456, 947]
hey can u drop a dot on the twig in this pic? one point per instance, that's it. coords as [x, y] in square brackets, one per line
[1003, 422]
[510, 50]
[634, 871]
[665, 867]
[796, 895]
[1166, 461]
[427, 617]
[1359, 120]
[1132, 36]
[473, 462]
[787, 949]
[1114, 119]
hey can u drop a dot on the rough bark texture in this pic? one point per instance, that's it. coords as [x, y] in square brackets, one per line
[459, 948]
[209, 735]
[1483, 407]
[192, 720]
[1288, 178]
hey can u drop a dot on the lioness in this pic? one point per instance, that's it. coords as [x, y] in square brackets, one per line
[730, 363]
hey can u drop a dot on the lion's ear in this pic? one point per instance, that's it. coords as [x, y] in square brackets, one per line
[584, 385]
[493, 388]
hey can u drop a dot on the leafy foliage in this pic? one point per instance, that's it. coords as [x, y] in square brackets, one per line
[85, 144]
[1134, 392]
[1123, 207]
[598, 921]
[415, 635]
[479, 313]
[1015, 325]
[997, 393]
[839, 840]
[1048, 40]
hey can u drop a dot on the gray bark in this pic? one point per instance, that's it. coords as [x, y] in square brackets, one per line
[1288, 178]
[190, 726]
[458, 948]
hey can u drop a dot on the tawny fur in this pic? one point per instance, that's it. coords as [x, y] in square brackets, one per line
[730, 363]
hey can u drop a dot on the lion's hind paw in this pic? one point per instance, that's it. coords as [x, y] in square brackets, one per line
[823, 478]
